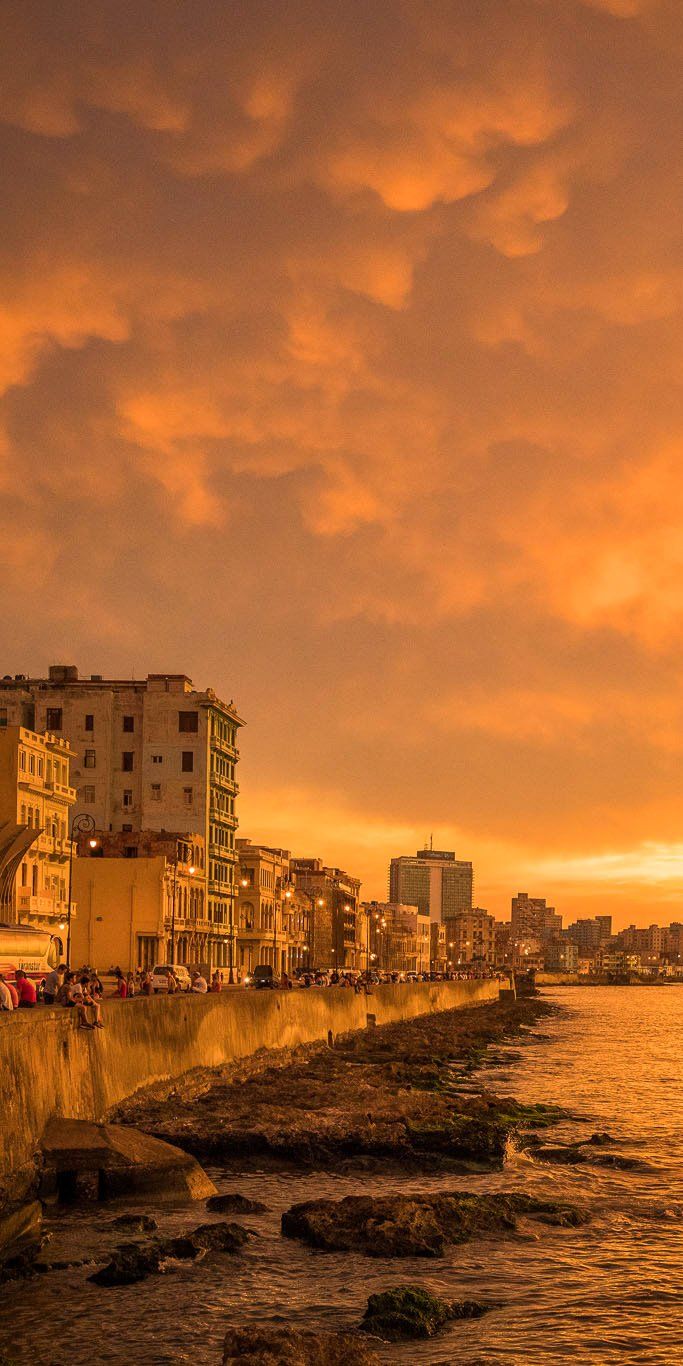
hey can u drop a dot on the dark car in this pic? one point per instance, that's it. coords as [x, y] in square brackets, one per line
[263, 976]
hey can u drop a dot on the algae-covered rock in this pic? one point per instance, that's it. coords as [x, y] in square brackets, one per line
[409, 1311]
[266, 1346]
[416, 1225]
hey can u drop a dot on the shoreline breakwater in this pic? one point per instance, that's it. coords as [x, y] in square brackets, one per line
[53, 1070]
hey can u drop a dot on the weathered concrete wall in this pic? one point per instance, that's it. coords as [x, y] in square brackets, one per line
[50, 1068]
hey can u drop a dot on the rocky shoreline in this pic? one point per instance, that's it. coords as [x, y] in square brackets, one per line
[396, 1096]
[399, 1098]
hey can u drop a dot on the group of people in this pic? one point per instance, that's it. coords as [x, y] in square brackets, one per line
[78, 991]
[141, 983]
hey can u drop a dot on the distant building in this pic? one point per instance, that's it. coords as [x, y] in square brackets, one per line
[561, 956]
[273, 911]
[590, 934]
[471, 938]
[337, 936]
[153, 754]
[35, 800]
[438, 951]
[141, 901]
[532, 918]
[433, 880]
[399, 937]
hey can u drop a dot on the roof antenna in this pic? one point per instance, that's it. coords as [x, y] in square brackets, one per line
[431, 842]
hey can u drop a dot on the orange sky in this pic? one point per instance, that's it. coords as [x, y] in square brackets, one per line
[341, 367]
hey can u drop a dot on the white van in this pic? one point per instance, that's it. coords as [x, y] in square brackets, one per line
[160, 977]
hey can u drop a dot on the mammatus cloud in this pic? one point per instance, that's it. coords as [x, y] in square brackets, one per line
[340, 356]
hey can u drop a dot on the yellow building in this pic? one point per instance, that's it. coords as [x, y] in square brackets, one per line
[142, 901]
[35, 797]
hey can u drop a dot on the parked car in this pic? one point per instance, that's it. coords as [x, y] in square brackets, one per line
[262, 976]
[160, 977]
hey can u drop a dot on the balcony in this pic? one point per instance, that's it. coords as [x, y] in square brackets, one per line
[224, 747]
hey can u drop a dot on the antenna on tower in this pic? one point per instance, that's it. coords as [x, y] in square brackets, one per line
[431, 842]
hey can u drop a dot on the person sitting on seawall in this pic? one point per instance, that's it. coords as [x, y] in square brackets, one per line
[120, 985]
[6, 1002]
[130, 983]
[199, 983]
[82, 999]
[146, 984]
[217, 981]
[52, 983]
[26, 990]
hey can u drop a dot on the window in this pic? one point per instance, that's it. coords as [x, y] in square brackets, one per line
[147, 950]
[31, 763]
[156, 792]
[157, 759]
[88, 795]
[34, 880]
[22, 758]
[188, 721]
[89, 721]
[24, 875]
[127, 761]
[129, 723]
[54, 718]
[3, 716]
[187, 796]
[89, 758]
[127, 829]
[127, 797]
[188, 761]
[130, 851]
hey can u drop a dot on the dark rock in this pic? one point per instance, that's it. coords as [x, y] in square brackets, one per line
[220, 1237]
[408, 1311]
[600, 1139]
[133, 1262]
[232, 1203]
[135, 1223]
[21, 1240]
[417, 1225]
[266, 1346]
[130, 1263]
[569, 1154]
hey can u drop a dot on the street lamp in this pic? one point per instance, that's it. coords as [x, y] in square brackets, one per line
[80, 825]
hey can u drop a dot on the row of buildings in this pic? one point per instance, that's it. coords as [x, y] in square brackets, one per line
[142, 774]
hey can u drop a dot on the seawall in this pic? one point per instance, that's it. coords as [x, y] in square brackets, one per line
[51, 1068]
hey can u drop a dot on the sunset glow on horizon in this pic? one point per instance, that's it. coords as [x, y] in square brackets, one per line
[341, 356]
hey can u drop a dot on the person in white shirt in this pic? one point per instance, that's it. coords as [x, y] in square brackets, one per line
[199, 983]
[6, 1002]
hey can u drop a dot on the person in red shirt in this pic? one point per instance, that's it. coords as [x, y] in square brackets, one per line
[26, 990]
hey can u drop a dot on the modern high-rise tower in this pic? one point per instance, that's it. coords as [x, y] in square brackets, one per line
[433, 880]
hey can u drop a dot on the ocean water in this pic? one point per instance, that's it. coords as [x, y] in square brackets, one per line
[611, 1291]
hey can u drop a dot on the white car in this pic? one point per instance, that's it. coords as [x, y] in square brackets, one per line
[160, 977]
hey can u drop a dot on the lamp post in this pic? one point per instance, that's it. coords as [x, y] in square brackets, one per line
[80, 825]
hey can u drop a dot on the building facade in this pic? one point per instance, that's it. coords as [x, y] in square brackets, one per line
[433, 880]
[336, 933]
[398, 937]
[153, 754]
[141, 910]
[471, 939]
[532, 918]
[160, 881]
[36, 798]
[273, 912]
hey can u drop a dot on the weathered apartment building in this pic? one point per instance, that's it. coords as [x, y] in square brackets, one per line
[273, 912]
[35, 801]
[151, 754]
